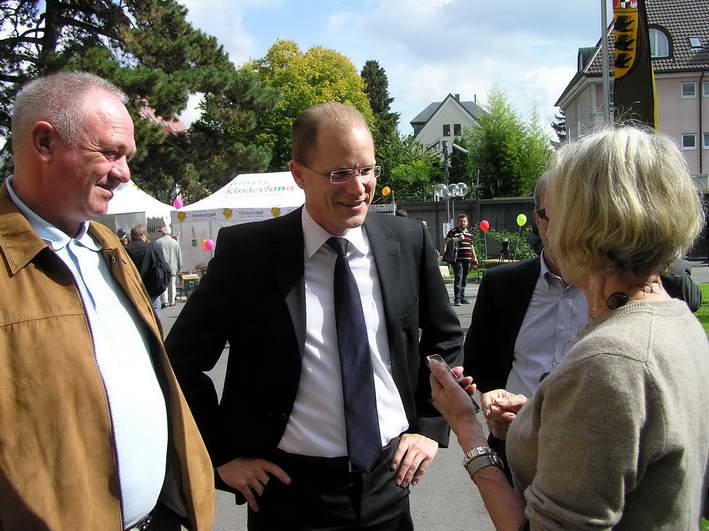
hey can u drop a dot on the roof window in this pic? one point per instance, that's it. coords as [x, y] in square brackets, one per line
[659, 43]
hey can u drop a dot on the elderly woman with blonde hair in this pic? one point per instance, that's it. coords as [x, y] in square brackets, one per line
[617, 434]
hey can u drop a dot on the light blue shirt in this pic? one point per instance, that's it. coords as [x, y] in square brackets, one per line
[556, 311]
[122, 350]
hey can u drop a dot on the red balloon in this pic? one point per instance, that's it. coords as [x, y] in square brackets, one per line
[484, 225]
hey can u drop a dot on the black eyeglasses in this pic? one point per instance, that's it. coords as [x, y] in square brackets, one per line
[365, 173]
[542, 213]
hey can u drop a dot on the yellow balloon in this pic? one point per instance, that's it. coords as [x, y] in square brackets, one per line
[386, 191]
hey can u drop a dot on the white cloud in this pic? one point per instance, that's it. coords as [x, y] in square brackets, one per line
[421, 7]
[543, 84]
[339, 21]
[225, 20]
[192, 112]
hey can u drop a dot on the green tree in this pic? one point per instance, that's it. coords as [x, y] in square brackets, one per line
[376, 86]
[416, 172]
[303, 79]
[509, 153]
[387, 140]
[147, 48]
[559, 125]
[462, 168]
[536, 151]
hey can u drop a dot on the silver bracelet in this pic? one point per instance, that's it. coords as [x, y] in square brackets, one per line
[481, 457]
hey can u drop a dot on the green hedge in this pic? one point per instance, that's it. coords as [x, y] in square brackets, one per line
[519, 243]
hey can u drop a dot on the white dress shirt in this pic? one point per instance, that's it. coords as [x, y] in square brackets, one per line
[316, 426]
[122, 349]
[556, 311]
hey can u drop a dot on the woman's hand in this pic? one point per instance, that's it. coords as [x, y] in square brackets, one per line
[452, 399]
[500, 408]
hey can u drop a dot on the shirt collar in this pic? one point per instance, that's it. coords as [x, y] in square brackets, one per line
[315, 236]
[54, 237]
[550, 279]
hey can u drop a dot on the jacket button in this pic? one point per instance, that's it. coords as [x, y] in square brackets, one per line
[113, 259]
[283, 416]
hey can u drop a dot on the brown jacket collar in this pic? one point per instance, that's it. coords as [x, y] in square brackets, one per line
[20, 243]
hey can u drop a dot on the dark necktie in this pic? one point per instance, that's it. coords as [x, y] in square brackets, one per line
[363, 439]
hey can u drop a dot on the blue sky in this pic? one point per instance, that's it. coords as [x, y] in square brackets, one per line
[429, 48]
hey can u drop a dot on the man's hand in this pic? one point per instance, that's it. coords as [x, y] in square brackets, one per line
[413, 456]
[501, 408]
[249, 476]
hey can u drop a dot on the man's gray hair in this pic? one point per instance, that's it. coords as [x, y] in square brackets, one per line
[539, 190]
[137, 232]
[57, 99]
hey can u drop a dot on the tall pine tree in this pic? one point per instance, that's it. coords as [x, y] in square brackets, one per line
[559, 125]
[387, 140]
[147, 48]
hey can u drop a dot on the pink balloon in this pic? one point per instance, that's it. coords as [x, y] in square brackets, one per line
[177, 203]
[208, 245]
[484, 225]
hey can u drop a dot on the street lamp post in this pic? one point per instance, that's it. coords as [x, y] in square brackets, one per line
[457, 190]
[445, 190]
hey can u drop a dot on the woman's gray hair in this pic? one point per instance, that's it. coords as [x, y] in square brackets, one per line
[59, 100]
[622, 200]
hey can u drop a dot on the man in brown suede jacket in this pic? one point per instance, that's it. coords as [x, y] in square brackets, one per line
[94, 430]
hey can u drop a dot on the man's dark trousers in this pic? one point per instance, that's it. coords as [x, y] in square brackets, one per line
[343, 500]
[460, 276]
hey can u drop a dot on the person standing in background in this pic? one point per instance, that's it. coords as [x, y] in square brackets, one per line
[465, 257]
[150, 264]
[170, 250]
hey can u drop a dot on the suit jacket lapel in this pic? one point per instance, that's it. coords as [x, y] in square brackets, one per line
[287, 264]
[386, 252]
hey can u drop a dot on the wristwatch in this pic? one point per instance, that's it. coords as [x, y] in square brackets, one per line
[481, 457]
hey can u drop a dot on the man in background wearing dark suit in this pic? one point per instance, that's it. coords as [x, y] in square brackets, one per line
[326, 416]
[524, 317]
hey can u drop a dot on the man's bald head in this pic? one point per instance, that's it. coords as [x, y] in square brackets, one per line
[309, 123]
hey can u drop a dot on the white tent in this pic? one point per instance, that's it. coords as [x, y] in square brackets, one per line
[247, 198]
[132, 206]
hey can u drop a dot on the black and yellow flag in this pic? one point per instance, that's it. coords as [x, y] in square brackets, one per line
[634, 81]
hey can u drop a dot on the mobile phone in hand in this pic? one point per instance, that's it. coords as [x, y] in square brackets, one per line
[436, 358]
